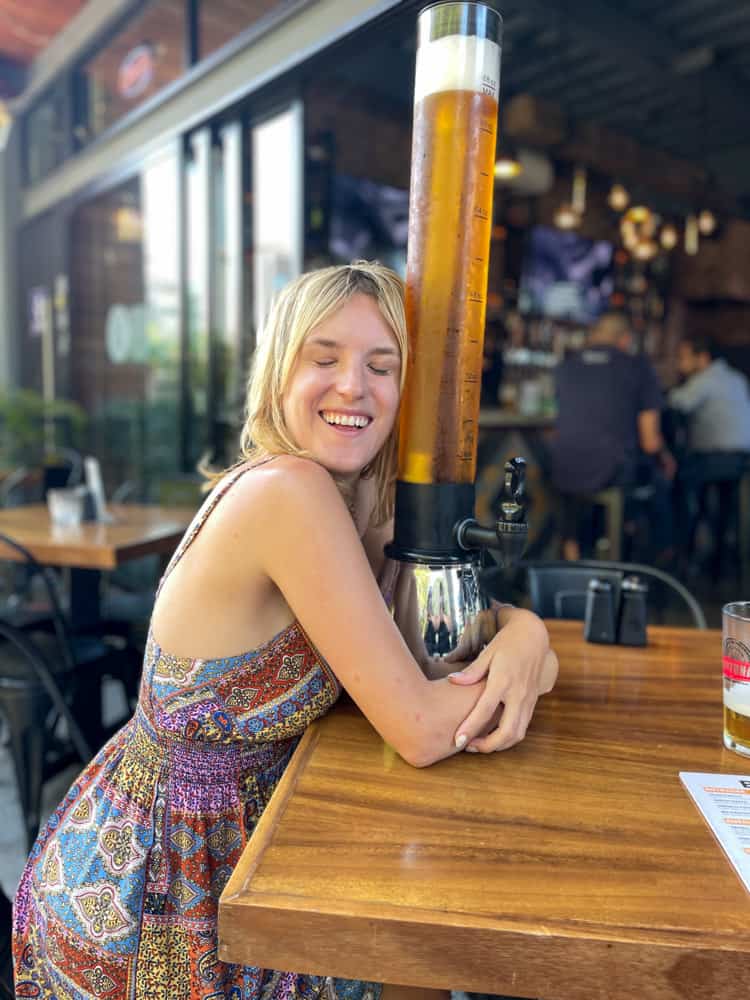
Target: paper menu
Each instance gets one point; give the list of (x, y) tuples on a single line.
[(724, 801)]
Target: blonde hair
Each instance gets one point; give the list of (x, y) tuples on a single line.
[(301, 306)]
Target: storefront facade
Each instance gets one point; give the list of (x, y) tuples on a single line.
[(175, 172)]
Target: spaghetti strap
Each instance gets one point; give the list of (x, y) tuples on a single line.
[(202, 516)]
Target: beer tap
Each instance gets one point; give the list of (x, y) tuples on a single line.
[(508, 537), (436, 537)]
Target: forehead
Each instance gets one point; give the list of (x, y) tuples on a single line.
[(357, 323)]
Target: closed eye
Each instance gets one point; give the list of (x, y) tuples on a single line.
[(326, 363), (379, 371)]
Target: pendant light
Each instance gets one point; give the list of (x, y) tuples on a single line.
[(618, 198)]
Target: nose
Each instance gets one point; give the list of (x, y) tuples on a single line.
[(351, 381)]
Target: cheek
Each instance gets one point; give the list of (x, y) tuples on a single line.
[(394, 397)]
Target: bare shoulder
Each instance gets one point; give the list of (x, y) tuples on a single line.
[(270, 506), (259, 519), (273, 487)]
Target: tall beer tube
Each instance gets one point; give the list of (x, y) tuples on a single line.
[(450, 219)]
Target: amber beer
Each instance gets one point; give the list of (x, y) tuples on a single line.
[(450, 220), (737, 720), (736, 671)]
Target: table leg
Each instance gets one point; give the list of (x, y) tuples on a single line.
[(85, 608)]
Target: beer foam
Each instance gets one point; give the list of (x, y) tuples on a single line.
[(737, 699), (457, 62)]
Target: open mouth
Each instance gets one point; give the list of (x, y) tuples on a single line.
[(346, 421)]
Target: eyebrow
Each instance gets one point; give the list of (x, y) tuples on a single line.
[(324, 342)]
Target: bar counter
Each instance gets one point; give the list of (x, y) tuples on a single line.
[(572, 867)]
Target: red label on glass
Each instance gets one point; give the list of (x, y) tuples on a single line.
[(736, 670)]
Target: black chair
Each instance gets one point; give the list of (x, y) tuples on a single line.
[(6, 957), (558, 589), (37, 697), (48, 673)]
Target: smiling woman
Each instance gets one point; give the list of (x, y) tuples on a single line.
[(270, 606), (341, 398)]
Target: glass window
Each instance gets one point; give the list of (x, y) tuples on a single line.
[(144, 56), (218, 343), (125, 330), (45, 136), (222, 20), (277, 170), (198, 230), (358, 123)]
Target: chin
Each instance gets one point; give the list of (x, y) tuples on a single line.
[(344, 470), (339, 466)]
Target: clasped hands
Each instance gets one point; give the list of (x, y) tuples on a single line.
[(511, 653)]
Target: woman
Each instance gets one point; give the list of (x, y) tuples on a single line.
[(119, 896)]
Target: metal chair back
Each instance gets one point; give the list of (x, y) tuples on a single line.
[(557, 589)]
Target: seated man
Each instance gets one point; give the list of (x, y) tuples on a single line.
[(609, 404), (715, 399)]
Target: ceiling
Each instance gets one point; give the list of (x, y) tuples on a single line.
[(675, 77), (672, 77), (26, 28)]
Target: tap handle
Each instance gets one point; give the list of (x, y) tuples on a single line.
[(514, 487)]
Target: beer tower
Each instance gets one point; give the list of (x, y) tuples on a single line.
[(450, 219)]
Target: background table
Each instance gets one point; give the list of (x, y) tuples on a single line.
[(571, 867), (137, 530)]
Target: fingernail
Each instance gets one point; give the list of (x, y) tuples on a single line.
[(461, 741), (472, 750), (455, 673)]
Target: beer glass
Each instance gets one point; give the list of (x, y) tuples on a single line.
[(450, 219), (736, 669)]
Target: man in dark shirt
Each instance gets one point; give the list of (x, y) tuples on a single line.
[(609, 404)]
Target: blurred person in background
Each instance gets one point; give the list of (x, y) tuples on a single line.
[(714, 399), (608, 430)]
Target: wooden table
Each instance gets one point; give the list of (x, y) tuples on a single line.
[(573, 867), (137, 530)]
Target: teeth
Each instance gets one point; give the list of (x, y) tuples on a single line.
[(345, 420)]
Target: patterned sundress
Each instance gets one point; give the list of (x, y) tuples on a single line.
[(118, 900)]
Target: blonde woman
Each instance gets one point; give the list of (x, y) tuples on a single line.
[(257, 625)]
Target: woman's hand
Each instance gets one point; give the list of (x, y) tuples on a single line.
[(517, 665)]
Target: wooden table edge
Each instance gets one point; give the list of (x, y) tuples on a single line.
[(518, 965), (264, 830)]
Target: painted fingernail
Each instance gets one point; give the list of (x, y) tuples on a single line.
[(472, 750), (461, 741)]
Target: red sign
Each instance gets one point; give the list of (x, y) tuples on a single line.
[(736, 670), (136, 72)]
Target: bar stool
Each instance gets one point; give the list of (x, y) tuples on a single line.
[(727, 484)]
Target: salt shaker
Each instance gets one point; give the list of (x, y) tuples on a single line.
[(599, 623), (632, 625)]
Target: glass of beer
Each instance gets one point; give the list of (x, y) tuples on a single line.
[(736, 669), (456, 92)]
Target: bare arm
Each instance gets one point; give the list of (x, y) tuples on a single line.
[(509, 652), (652, 442), (320, 566), (649, 432)]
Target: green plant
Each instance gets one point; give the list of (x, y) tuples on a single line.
[(32, 429)]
